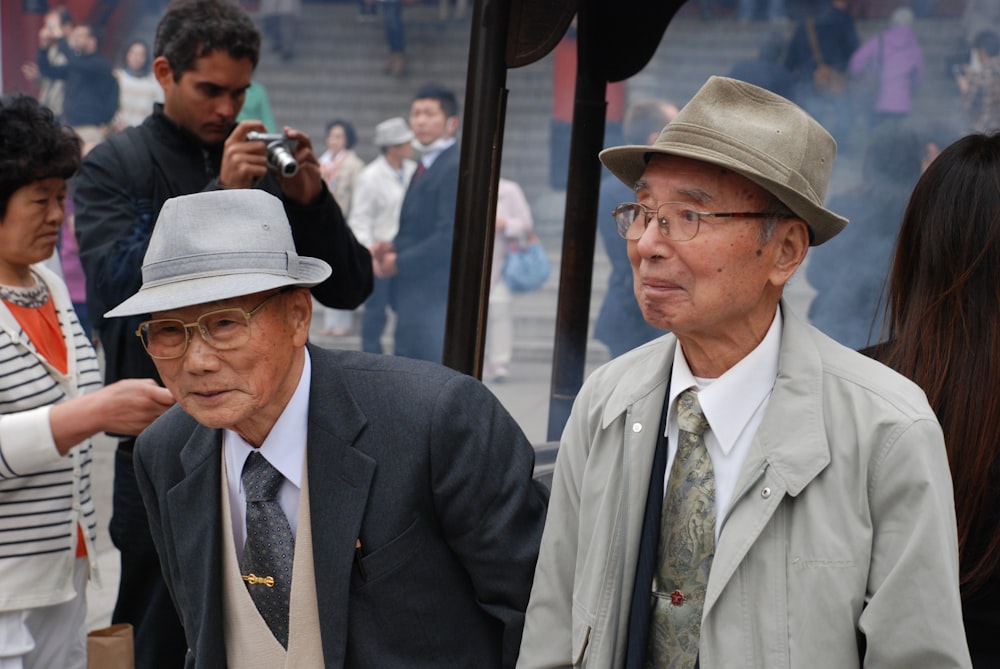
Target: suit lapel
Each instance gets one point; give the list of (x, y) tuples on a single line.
[(440, 166), (339, 479), (195, 506)]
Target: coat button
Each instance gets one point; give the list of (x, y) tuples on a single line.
[(637, 427), (765, 493)]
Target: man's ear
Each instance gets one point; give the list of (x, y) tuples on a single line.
[(299, 314), (792, 239), (452, 125), (163, 72)]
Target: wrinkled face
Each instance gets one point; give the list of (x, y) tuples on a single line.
[(30, 227), (247, 388), (725, 276), (429, 122), (135, 57), (336, 139), (206, 99)]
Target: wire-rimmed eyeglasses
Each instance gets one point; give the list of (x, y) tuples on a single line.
[(222, 329), (677, 221)]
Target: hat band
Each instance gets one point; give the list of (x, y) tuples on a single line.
[(257, 262)]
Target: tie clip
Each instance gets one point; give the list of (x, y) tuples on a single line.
[(254, 579)]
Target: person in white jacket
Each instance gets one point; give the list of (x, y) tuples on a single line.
[(822, 533), (374, 215), (51, 403)]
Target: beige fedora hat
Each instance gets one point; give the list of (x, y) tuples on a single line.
[(217, 245), (752, 132)]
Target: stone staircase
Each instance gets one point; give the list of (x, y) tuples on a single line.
[(338, 72)]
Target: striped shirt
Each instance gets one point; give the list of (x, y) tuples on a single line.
[(43, 495)]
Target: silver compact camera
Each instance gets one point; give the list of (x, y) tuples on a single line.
[(280, 151)]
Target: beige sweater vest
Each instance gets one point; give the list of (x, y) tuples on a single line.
[(249, 642)]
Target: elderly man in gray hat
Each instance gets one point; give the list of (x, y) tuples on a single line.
[(742, 492), (316, 508)]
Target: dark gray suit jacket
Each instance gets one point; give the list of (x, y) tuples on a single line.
[(420, 463), (419, 293)]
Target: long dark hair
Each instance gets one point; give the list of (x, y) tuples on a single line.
[(943, 316)]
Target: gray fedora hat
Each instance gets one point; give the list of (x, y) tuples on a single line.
[(752, 132), (218, 245)]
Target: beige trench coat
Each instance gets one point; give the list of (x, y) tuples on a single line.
[(842, 523)]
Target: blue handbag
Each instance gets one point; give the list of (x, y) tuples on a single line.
[(527, 267)]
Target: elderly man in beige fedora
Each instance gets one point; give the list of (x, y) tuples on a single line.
[(318, 508), (743, 492)]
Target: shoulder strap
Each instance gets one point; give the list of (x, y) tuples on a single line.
[(814, 42), (139, 171)]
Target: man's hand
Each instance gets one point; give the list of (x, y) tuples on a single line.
[(46, 38), (962, 80), (30, 71), (380, 251), (244, 163), (388, 265), (306, 185)]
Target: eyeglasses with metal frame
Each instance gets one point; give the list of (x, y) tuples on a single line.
[(677, 221), (222, 329)]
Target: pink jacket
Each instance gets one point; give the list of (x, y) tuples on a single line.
[(902, 67)]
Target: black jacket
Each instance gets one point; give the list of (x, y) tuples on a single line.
[(118, 194)]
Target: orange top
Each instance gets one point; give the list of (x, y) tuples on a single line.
[(42, 327)]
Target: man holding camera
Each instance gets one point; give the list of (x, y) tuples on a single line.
[(205, 53)]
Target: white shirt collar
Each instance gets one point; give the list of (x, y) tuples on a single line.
[(428, 158), (730, 401)]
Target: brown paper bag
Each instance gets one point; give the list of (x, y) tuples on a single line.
[(111, 648)]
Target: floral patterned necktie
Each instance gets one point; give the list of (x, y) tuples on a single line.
[(266, 563), (687, 545)]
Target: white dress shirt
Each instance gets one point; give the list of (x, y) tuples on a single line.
[(284, 448), (734, 406)]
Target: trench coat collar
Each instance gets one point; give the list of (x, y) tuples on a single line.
[(648, 372), (792, 438)]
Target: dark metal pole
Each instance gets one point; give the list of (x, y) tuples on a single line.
[(579, 231), (475, 214)]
